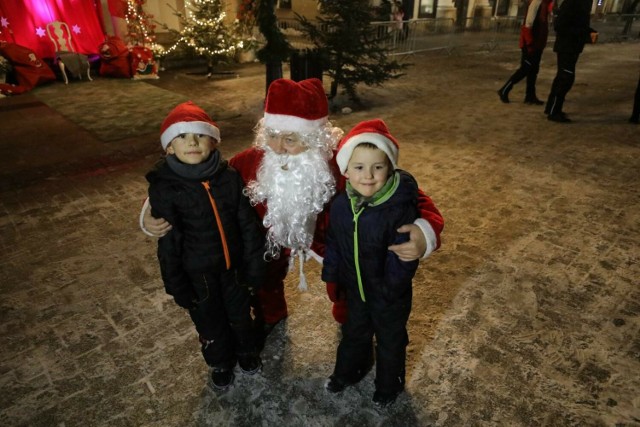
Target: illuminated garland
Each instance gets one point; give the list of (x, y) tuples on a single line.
[(140, 26), (204, 31)]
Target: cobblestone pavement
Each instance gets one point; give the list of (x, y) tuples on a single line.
[(527, 316)]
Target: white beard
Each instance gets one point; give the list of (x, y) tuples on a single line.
[(295, 189)]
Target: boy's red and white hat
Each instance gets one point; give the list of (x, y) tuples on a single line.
[(296, 106), (372, 131), (187, 118)]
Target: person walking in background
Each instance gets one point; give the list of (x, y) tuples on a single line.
[(571, 22), (635, 114), (397, 17), (363, 223), (211, 259), (533, 40)]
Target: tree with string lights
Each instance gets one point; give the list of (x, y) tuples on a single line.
[(140, 26), (205, 33)]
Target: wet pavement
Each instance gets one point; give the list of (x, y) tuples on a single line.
[(529, 315)]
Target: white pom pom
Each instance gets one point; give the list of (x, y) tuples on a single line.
[(303, 280)]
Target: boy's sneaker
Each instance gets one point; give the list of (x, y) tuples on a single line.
[(383, 400), (249, 364), (221, 378)]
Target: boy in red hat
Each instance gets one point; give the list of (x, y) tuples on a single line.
[(364, 222), (291, 176), (212, 258)]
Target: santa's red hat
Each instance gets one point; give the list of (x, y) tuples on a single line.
[(187, 118), (372, 131), (296, 106)]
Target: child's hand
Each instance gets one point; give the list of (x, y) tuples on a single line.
[(156, 226), (414, 248)]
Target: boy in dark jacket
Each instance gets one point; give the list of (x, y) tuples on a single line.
[(363, 223), (211, 260)]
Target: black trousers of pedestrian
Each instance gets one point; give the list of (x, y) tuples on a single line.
[(223, 319), (387, 321), (635, 114), (529, 68), (562, 83)]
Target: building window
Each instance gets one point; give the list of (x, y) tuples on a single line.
[(427, 8)]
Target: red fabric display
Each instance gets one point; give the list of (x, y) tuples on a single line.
[(143, 66), (30, 71), (115, 58), (25, 23)]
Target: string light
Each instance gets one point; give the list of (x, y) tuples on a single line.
[(140, 28), (205, 35)]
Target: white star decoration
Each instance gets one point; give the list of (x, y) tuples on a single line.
[(4, 22), (40, 32), (76, 29)]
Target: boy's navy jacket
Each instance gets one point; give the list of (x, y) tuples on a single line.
[(195, 244), (381, 271)]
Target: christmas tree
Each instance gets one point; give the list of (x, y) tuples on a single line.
[(352, 49), (205, 33), (140, 26)]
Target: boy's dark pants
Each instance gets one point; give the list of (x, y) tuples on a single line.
[(222, 318), (388, 322)]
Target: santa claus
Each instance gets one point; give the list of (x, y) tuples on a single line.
[(291, 176)]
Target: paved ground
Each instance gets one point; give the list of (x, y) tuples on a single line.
[(529, 315)]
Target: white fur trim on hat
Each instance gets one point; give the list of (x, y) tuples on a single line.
[(380, 141), (285, 123), (178, 128)]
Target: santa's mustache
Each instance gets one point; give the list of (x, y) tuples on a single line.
[(295, 189)]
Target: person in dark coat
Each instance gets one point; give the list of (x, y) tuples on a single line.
[(212, 258), (635, 114), (363, 223), (533, 40), (571, 21)]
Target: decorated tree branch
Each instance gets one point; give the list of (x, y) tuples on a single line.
[(205, 33), (140, 25), (353, 50)]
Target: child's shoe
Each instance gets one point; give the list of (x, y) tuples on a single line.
[(383, 400), (221, 378), (249, 364), (336, 384)]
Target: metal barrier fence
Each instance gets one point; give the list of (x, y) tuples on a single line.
[(418, 35), (477, 33)]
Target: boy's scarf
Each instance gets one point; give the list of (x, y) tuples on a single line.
[(195, 172)]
